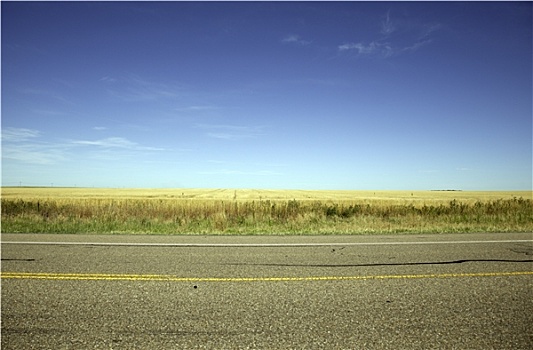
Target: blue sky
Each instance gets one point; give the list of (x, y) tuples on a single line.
[(294, 95)]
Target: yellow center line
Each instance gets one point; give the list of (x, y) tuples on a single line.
[(171, 278)]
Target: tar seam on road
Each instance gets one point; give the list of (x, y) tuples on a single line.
[(126, 244), (170, 278)]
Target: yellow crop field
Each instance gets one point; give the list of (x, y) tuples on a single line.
[(257, 194), (249, 211)]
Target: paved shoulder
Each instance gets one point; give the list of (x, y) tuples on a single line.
[(314, 292)]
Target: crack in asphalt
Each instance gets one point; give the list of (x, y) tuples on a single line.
[(385, 264), (523, 249), (8, 259)]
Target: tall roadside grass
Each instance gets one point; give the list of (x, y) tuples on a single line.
[(231, 216)]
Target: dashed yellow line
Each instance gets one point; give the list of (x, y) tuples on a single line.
[(171, 278)]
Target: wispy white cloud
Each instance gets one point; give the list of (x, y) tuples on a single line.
[(99, 128), (24, 145), (108, 79), (135, 88), (416, 45), (197, 108), (41, 154), (295, 39), (348, 46), (223, 136), (383, 49), (30, 147), (387, 26), (18, 134), (429, 29), (393, 41), (116, 142)]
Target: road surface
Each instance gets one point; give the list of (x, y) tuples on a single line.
[(454, 291)]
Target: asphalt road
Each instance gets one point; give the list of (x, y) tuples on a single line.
[(456, 291)]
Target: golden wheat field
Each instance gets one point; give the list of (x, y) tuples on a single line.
[(397, 197), (242, 211)]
